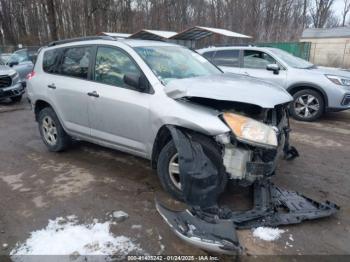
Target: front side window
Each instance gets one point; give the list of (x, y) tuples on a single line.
[(257, 59), (175, 62), (111, 66), (76, 62), (227, 58)]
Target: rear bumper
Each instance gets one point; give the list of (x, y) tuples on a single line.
[(12, 91)]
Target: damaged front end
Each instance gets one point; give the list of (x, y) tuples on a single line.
[(258, 139), (250, 159)]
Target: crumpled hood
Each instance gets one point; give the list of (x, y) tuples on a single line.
[(229, 87), (5, 70)]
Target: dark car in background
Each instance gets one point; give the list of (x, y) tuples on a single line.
[(11, 85)]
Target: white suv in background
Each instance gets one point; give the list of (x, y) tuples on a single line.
[(315, 90)]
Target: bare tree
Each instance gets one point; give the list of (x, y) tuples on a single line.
[(345, 11), (321, 12), (36, 22), (50, 8)]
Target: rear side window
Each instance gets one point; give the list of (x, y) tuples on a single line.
[(226, 58), (76, 61), (51, 61)]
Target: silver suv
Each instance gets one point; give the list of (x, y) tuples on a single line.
[(129, 94), (315, 90)]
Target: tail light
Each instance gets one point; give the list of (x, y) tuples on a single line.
[(30, 75)]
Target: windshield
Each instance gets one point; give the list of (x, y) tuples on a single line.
[(175, 62), (291, 60)]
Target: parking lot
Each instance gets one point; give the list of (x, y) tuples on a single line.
[(91, 182)]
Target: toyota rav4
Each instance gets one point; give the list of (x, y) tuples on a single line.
[(126, 95)]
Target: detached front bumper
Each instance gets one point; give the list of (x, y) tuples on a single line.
[(208, 226), (12, 91)]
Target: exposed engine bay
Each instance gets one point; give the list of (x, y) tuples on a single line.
[(249, 162)]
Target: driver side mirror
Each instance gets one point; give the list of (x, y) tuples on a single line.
[(139, 82), (13, 63), (273, 67)]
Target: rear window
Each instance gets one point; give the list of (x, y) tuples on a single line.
[(51, 61), (226, 58)]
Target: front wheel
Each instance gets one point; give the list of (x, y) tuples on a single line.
[(308, 105), (168, 165)]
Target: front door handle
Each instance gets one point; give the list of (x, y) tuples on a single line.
[(94, 94), (52, 86)]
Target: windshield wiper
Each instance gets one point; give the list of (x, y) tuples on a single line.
[(311, 67)]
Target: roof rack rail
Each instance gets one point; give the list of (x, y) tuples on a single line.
[(77, 39)]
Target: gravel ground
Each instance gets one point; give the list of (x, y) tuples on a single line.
[(91, 182)]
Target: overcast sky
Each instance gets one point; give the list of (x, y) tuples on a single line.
[(338, 6)]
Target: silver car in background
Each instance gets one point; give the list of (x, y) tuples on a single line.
[(315, 90)]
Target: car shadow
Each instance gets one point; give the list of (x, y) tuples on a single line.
[(336, 116)]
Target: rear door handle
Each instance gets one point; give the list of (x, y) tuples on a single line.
[(93, 93), (52, 86)]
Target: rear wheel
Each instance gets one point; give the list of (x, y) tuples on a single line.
[(308, 105), (168, 165), (16, 99), (51, 131)]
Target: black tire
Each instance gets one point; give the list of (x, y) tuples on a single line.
[(62, 139), (169, 150), (316, 114), (16, 99)]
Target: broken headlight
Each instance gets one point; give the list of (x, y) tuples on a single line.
[(251, 131)]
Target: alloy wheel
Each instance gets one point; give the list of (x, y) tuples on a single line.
[(174, 171), (49, 130), (306, 106)]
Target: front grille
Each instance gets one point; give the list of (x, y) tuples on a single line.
[(5, 81), (346, 100)]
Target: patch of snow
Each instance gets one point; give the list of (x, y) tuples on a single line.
[(191, 228), (136, 226), (64, 236), (120, 215), (291, 237), (162, 248), (268, 233)]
